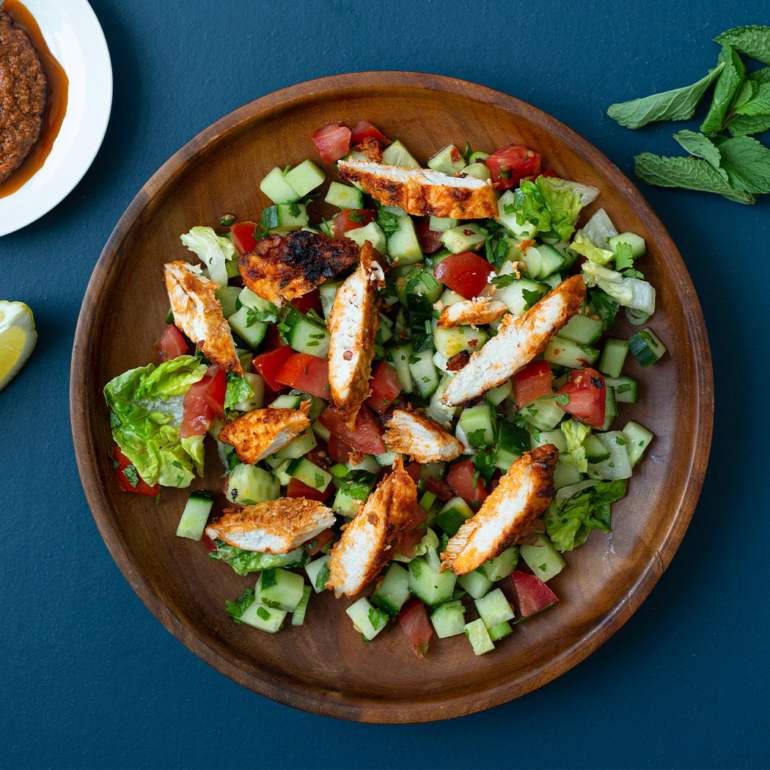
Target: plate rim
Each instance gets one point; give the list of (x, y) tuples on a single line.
[(301, 695)]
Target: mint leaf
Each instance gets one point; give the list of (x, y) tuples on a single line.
[(727, 88), (624, 257), (744, 125), (760, 76), (700, 145), (747, 163), (678, 104), (759, 103), (754, 41), (687, 173)]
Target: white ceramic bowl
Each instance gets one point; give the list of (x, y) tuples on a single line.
[(75, 38)]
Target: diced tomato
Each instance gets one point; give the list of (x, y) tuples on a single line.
[(419, 515), (269, 364), (171, 343), (124, 482), (273, 339), (409, 542), (319, 541), (307, 373), (384, 387), (208, 542), (587, 397), (417, 627), (216, 389), (339, 451), (350, 219), (511, 164), (413, 469), (460, 478), (430, 240), (197, 414), (441, 489), (465, 273), (332, 141), (550, 172), (366, 435), (243, 236), (532, 594), (308, 302), (298, 488), (533, 381), (365, 130)]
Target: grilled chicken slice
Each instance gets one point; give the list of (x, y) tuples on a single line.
[(522, 495), (472, 312), (375, 532), (284, 267), (517, 342), (198, 313), (353, 323), (257, 434), (277, 526), (422, 439), (421, 191)]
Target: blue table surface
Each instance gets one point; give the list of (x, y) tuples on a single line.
[(91, 679)]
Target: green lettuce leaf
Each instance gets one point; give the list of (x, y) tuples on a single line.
[(579, 509), (244, 562), (575, 433), (585, 246), (238, 390), (212, 249), (146, 407), (628, 292)]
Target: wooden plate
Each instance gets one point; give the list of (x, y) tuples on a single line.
[(324, 667)]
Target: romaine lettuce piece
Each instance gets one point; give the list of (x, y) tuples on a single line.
[(575, 433), (583, 245), (212, 249), (629, 292), (146, 411), (244, 562)]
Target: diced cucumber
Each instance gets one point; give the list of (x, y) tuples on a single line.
[(507, 216), (464, 237), (564, 352), (368, 620), (227, 296), (637, 438), (285, 217), (263, 618), (321, 431), (617, 465), (385, 332), (452, 516), (232, 269), (316, 573), (478, 424), (368, 464), (626, 389), (400, 357), (610, 409), (248, 484), (372, 233), (403, 245), (309, 473), (257, 385), (512, 442), (438, 224), (500, 631), (305, 335), (430, 585), (494, 608), (646, 347), (613, 356), (344, 196), (448, 619), (297, 447), (275, 186), (392, 591), (195, 515), (476, 583), (543, 413), (636, 242), (497, 395), (595, 449), (328, 292), (395, 210), (502, 565), (565, 475), (355, 155), (582, 329), (450, 341), (424, 373), (298, 616), (447, 161), (286, 401), (418, 289), (543, 559), (513, 295), (553, 280), (305, 177), (437, 410), (542, 260), (555, 437), (348, 499), (280, 589), (279, 470), (387, 459), (250, 331), (478, 170), (395, 154), (479, 637)]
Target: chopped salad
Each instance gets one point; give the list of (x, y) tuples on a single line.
[(415, 399)]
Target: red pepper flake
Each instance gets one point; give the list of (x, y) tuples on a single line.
[(347, 355)]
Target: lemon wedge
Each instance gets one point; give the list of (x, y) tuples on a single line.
[(17, 338)]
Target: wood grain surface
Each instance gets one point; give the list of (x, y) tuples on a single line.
[(324, 667)]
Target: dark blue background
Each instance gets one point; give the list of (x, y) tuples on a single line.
[(90, 679)]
